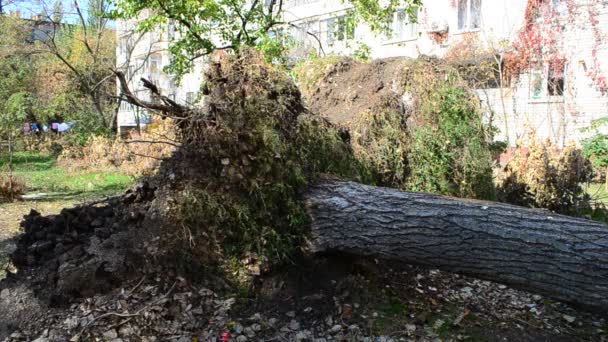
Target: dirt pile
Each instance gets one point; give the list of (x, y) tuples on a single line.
[(415, 124), (348, 88)]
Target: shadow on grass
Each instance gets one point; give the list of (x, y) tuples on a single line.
[(80, 195), (29, 161)]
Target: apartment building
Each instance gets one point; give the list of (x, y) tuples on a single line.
[(532, 101)]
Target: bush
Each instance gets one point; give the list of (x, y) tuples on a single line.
[(11, 187), (450, 150), (380, 142), (596, 149), (542, 176)]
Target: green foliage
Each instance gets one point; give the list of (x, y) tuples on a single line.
[(17, 109), (380, 142), (437, 142), (450, 151), (376, 13), (363, 52), (596, 149), (204, 26)]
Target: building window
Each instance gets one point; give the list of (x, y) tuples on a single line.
[(190, 98), (469, 14), (548, 83), (125, 106), (403, 26), (536, 85), (555, 78), (339, 29)]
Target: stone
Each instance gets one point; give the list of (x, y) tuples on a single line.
[(238, 329), (241, 338), (249, 332), (272, 322), (41, 339), (569, 319), (302, 335), (256, 317), (294, 325), (126, 331), (291, 314), (71, 322), (256, 327), (5, 293), (336, 329), (110, 334)]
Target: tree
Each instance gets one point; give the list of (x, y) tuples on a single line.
[(86, 52), (16, 59), (205, 26), (57, 14), (564, 257)]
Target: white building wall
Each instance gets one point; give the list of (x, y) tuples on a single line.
[(559, 118), (145, 56)]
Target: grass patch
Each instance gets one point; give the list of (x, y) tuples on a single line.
[(43, 175), (598, 192)]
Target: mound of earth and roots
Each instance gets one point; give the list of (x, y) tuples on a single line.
[(217, 244), (414, 123)]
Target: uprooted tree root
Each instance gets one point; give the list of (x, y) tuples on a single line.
[(228, 196)]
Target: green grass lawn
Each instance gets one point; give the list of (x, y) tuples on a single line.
[(42, 175)]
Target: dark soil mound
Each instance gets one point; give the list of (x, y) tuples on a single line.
[(83, 250)]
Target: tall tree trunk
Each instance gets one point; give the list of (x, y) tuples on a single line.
[(559, 256), (98, 108)]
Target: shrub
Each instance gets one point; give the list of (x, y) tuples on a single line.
[(450, 150), (380, 142), (11, 187), (542, 176), (414, 124), (596, 149)]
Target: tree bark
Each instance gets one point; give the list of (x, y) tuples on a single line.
[(562, 257)]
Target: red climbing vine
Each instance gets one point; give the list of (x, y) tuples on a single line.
[(541, 40)]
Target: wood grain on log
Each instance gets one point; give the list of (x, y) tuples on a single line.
[(563, 257)]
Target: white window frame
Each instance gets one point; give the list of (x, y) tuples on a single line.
[(468, 18), (406, 25), (542, 74), (334, 26)]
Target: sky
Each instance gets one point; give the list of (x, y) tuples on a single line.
[(29, 8)]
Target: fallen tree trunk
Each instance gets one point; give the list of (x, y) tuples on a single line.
[(562, 257)]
